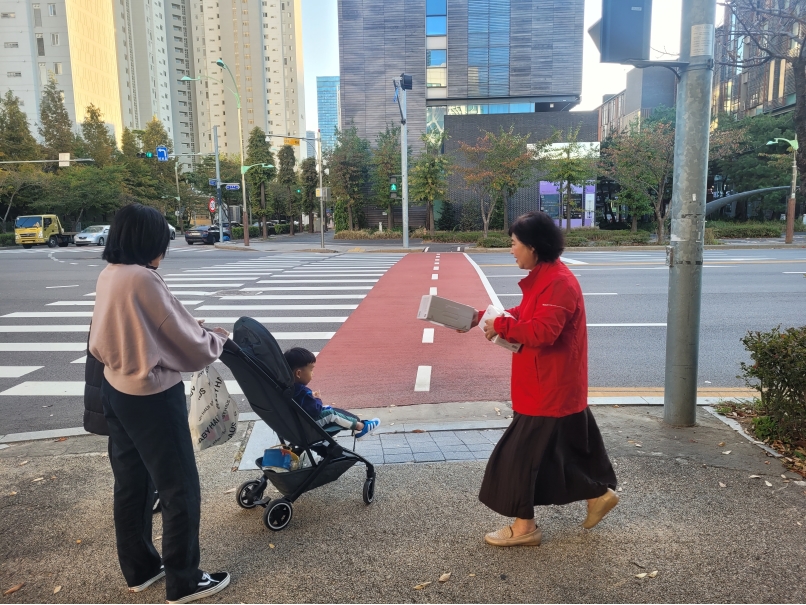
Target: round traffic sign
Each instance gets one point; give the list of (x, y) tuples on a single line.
[(211, 204)]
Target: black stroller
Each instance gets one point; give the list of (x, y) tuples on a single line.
[(258, 364)]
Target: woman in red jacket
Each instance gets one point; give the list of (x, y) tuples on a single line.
[(552, 452)]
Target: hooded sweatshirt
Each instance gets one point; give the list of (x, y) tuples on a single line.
[(143, 335)]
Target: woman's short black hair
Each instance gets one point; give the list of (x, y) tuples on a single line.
[(538, 230), (138, 235), (299, 358)]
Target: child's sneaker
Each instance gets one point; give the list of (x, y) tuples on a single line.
[(369, 426)]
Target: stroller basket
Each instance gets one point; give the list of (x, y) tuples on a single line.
[(259, 367)]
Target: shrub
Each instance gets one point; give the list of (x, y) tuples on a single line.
[(282, 228), (596, 237), (494, 240), (725, 230), (778, 373), (7, 239), (608, 226), (367, 234), (237, 232), (447, 219), (710, 238), (458, 237)]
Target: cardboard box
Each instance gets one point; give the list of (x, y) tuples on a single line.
[(447, 313), (491, 313)]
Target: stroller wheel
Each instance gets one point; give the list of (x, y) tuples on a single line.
[(278, 514), (246, 495), (369, 490)]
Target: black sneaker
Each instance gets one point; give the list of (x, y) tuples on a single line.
[(148, 583), (210, 584)]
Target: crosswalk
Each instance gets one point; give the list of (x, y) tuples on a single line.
[(303, 299)]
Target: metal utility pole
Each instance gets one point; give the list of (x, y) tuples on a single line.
[(685, 252), (790, 208), (218, 185), (321, 190), (401, 87)]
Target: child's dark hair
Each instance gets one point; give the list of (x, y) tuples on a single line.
[(299, 358)]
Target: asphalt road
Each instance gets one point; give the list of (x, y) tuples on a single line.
[(40, 389)]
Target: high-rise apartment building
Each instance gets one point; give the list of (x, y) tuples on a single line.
[(73, 40), (261, 43), (465, 57), (328, 107)]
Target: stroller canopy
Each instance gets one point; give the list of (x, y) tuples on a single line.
[(257, 342)]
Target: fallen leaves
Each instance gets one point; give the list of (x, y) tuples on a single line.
[(78, 541), (57, 589), (38, 479), (422, 585), (497, 411), (721, 444), (271, 546), (60, 439), (13, 589), (445, 577), (754, 477), (24, 462), (643, 575), (13, 494), (418, 431), (722, 484), (653, 574), (158, 538), (727, 452), (230, 491), (767, 483)]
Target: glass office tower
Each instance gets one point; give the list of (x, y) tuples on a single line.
[(327, 103)]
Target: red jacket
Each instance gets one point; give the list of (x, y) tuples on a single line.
[(550, 373)]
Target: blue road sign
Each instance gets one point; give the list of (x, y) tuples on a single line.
[(162, 153), (233, 187), (213, 182)]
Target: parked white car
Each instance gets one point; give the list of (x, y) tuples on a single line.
[(97, 234), (172, 230)]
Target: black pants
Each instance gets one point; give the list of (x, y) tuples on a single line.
[(149, 436)]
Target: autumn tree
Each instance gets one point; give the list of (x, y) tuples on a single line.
[(16, 140), (429, 175), (478, 177), (386, 163), (258, 151), (512, 164), (309, 181), (287, 178), (55, 126), (12, 182), (99, 143), (349, 164), (129, 144)]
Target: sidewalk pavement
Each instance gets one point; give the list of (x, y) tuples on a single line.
[(689, 509)]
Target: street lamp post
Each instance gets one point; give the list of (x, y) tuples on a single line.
[(234, 91), (790, 207)]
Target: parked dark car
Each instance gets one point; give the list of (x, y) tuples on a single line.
[(205, 234)]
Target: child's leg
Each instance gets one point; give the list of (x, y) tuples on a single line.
[(340, 418)]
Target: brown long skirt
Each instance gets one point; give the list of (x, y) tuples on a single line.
[(541, 460)]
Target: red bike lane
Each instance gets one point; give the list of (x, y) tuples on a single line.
[(373, 359)]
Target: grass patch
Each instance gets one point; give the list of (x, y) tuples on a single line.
[(367, 234), (727, 230)]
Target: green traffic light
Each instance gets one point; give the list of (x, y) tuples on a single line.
[(149, 154), (393, 187)]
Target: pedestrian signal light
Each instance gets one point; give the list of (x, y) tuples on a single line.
[(146, 155), (394, 186)]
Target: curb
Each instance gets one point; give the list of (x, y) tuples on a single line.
[(572, 249), (738, 428)]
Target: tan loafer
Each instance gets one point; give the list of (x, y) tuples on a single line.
[(599, 507), (504, 537)]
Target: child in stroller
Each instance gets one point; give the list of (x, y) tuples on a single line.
[(302, 363)]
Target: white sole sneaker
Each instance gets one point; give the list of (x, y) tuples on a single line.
[(148, 583), (207, 587)]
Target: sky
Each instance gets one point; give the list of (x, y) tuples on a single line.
[(321, 50)]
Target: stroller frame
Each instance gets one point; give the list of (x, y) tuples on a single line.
[(336, 459)]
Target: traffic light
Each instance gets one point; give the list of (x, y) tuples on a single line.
[(622, 34), (299, 190), (146, 155), (394, 187)]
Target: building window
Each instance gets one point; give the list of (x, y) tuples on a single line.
[(54, 39), (57, 69), (11, 45), (436, 77), (51, 10), (40, 45), (14, 74), (436, 26), (8, 15)]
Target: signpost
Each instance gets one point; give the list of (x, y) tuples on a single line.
[(211, 205), (232, 186), (213, 182), (162, 153)]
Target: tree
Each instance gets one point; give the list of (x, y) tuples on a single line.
[(637, 202), (129, 144), (386, 163), (771, 32), (429, 175), (570, 164), (478, 177), (258, 151), (287, 177), (512, 164), (98, 140), (16, 140), (12, 182), (349, 165), (309, 180), (84, 189), (55, 126)]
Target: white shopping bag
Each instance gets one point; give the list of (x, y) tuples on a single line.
[(213, 414)]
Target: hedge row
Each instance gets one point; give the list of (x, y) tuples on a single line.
[(237, 232), (367, 234), (725, 230), (7, 239), (591, 237)]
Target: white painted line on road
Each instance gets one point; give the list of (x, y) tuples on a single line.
[(71, 303), (436, 268), (428, 336), (426, 249), (297, 297), (191, 302), (629, 325), (485, 282), (276, 307), (421, 383), (435, 276), (278, 320), (80, 360), (220, 286), (318, 281), (306, 288), (41, 347), (433, 291), (794, 272), (49, 314), (184, 279), (17, 371), (571, 261), (458, 248), (333, 274), (191, 293), (52, 287), (43, 328)]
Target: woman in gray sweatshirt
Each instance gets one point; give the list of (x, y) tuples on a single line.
[(145, 338)]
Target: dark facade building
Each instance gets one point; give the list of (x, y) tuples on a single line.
[(466, 57)]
